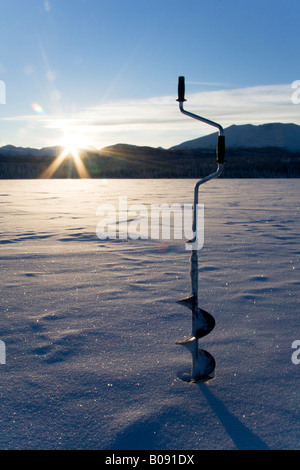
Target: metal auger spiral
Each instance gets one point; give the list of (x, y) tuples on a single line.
[(203, 363)]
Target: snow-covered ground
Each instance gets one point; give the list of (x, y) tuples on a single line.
[(90, 326)]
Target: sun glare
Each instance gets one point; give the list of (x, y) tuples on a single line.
[(72, 145)]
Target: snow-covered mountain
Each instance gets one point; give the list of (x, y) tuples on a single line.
[(249, 136)]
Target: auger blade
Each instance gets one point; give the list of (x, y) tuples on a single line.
[(203, 365), (189, 302), (189, 343), (202, 323)]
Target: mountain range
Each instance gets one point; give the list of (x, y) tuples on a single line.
[(268, 150), (276, 135), (272, 135)]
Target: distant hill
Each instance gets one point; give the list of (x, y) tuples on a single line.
[(12, 151), (266, 151), (276, 135)]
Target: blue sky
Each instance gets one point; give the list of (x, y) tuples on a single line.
[(105, 71)]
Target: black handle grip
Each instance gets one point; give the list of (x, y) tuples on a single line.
[(181, 89), (221, 149)]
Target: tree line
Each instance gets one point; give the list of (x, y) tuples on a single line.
[(122, 161)]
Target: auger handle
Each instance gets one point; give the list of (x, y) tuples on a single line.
[(221, 137), (221, 149), (181, 90)]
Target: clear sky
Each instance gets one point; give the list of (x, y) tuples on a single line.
[(105, 71)]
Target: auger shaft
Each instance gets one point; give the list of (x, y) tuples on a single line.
[(194, 255)]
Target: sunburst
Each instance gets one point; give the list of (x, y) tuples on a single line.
[(72, 144)]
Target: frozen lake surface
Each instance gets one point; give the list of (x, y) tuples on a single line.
[(90, 326)]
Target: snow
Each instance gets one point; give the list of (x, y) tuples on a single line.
[(90, 326)]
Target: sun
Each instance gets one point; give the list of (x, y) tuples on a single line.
[(72, 144)]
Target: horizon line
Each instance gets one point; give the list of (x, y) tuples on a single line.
[(91, 147)]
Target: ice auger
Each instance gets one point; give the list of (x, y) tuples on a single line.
[(203, 364)]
